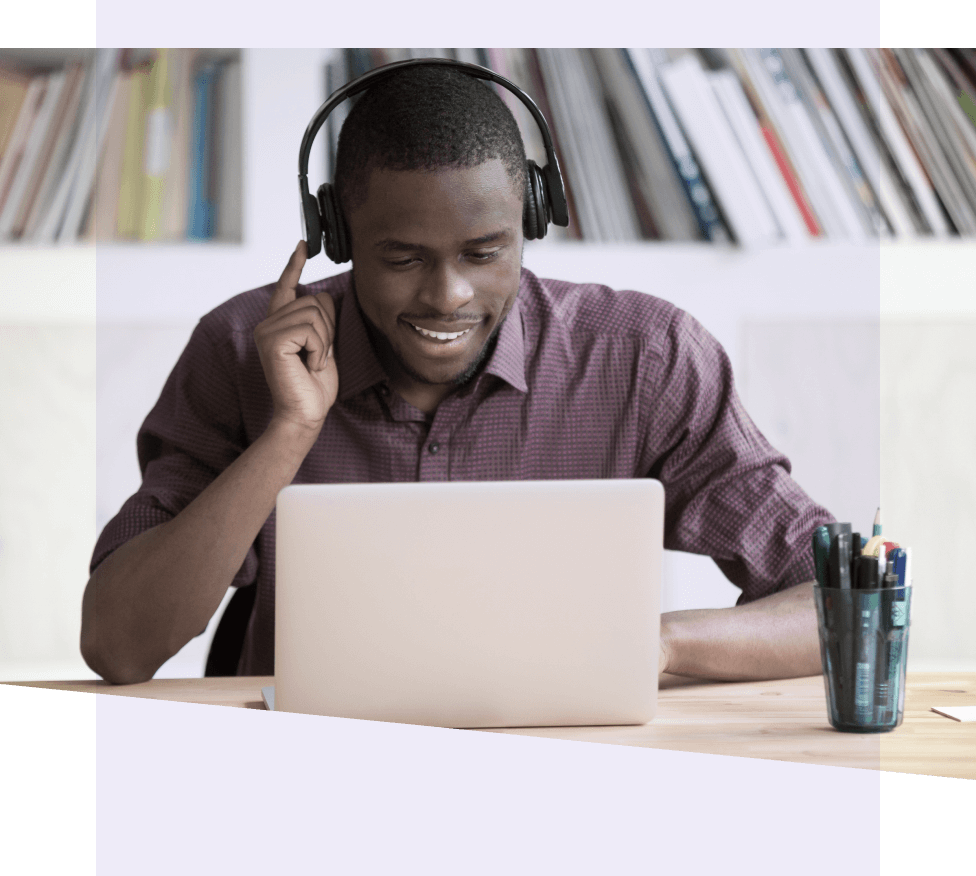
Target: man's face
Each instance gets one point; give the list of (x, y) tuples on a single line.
[(436, 266)]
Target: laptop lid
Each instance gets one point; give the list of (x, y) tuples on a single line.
[(470, 604)]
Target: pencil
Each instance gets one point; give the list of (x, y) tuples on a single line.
[(877, 523)]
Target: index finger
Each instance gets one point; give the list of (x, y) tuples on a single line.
[(286, 287)]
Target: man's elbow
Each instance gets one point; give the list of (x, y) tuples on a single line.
[(111, 667), (106, 658)]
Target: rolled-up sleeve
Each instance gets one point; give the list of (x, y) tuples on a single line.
[(194, 431), (729, 493)]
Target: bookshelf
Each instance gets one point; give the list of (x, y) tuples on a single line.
[(120, 144), (158, 290)]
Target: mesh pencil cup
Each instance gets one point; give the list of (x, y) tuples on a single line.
[(863, 649)]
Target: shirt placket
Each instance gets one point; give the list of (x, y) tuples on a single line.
[(435, 455)]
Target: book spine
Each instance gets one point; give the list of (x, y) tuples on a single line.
[(959, 193), (849, 172), (947, 120), (14, 153), (108, 177), (66, 177), (718, 150), (130, 187), (27, 169), (54, 147), (699, 194), (735, 105), (905, 163), (13, 91), (231, 168), (910, 116), (157, 152), (200, 218), (658, 195)]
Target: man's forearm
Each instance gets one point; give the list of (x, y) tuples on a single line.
[(773, 637), (158, 591)]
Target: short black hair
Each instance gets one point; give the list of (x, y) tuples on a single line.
[(425, 118)]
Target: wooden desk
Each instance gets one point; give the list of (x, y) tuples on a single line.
[(777, 720)]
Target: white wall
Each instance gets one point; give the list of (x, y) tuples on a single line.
[(928, 439)]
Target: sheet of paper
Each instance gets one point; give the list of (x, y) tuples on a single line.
[(957, 713)]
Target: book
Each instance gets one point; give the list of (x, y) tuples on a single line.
[(756, 148), (19, 135), (81, 88), (230, 171), (130, 187), (13, 90), (946, 118), (911, 117), (699, 194), (790, 116), (157, 146), (655, 186), (176, 189), (947, 147), (202, 213), (108, 177), (49, 227), (835, 144), (905, 163), (26, 175), (964, 86), (777, 149), (593, 165), (53, 148), (866, 148), (713, 139)]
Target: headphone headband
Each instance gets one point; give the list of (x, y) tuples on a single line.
[(557, 206)]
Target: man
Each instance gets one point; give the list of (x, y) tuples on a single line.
[(439, 358)]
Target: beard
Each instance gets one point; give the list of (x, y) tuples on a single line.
[(391, 360)]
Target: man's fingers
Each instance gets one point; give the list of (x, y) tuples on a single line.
[(285, 288)]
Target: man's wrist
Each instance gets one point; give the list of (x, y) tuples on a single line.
[(291, 437)]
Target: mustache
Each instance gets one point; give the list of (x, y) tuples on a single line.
[(453, 319)]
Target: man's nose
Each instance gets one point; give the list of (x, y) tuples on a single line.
[(447, 290)]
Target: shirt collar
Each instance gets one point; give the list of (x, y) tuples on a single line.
[(359, 369)]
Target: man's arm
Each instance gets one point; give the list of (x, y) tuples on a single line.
[(772, 637), (159, 590)]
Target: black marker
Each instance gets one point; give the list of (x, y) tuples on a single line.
[(840, 560), (866, 572), (855, 553)]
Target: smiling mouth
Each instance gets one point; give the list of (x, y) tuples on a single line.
[(441, 336)]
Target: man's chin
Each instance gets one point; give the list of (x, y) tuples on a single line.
[(459, 375)]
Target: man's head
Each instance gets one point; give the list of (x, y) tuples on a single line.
[(430, 175)]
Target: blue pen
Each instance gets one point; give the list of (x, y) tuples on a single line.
[(900, 556)]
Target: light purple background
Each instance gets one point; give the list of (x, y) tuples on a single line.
[(255, 792), (194, 789)]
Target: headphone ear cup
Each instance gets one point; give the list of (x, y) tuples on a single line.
[(535, 214), (343, 243), (312, 225), (333, 225)]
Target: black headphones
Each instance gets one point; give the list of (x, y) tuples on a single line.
[(545, 197)]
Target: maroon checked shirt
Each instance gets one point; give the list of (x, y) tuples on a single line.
[(584, 382)]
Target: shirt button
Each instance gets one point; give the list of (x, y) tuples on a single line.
[(433, 447)]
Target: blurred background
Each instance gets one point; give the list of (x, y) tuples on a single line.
[(814, 209)]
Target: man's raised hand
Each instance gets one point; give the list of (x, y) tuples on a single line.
[(295, 346)]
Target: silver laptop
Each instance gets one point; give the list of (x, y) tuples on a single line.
[(470, 604)]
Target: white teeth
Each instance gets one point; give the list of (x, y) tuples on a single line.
[(441, 336)]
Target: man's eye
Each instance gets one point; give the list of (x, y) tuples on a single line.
[(484, 256), (401, 263)]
